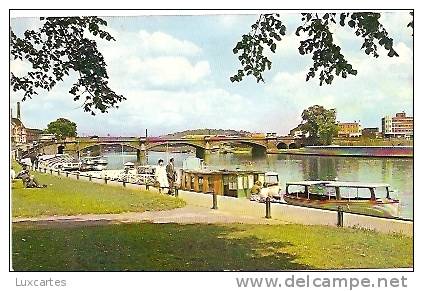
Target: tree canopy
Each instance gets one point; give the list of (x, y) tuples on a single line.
[(58, 47), (62, 128), (328, 60), (319, 125)]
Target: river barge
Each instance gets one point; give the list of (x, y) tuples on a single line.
[(233, 183)]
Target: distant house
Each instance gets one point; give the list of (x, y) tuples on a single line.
[(296, 132), (19, 134), (349, 129), (370, 132)]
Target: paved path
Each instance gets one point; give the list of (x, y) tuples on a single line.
[(186, 215)]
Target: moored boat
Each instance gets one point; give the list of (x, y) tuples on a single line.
[(355, 197), (234, 183)]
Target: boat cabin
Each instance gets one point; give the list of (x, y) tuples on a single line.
[(321, 190), (234, 183), (360, 191)]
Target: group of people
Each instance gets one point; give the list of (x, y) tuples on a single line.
[(166, 176), (28, 180)]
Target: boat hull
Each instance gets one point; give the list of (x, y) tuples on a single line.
[(379, 207)]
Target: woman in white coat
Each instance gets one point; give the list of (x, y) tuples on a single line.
[(161, 176)]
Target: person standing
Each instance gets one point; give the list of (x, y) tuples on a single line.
[(161, 177), (171, 175)]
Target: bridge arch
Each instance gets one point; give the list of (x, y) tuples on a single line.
[(199, 149), (257, 148), (293, 146), (137, 148), (282, 146)]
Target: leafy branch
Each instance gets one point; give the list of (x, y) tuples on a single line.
[(58, 47)]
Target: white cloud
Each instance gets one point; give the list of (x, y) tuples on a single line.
[(19, 67), (166, 71), (162, 43)]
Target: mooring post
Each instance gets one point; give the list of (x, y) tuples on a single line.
[(176, 192), (268, 214), (90, 177), (77, 176), (340, 222), (105, 179), (67, 174), (124, 183), (147, 187), (214, 201), (51, 171), (58, 172)]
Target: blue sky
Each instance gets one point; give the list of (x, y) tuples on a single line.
[(174, 71)]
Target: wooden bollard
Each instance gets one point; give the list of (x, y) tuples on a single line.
[(147, 187), (90, 177), (77, 176), (340, 222), (214, 201), (67, 174), (124, 183), (105, 179), (58, 172), (268, 214), (51, 171), (176, 192)]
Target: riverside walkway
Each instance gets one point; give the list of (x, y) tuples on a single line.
[(230, 210)]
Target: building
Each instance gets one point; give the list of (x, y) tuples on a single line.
[(399, 125), (370, 132), (33, 134), (19, 134), (349, 129), (296, 132)]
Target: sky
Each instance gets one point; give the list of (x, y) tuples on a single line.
[(174, 72)]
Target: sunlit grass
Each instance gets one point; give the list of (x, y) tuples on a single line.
[(65, 196), (145, 246)]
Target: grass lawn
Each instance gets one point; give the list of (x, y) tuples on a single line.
[(145, 246), (65, 196)]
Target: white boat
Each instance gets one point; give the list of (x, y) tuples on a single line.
[(93, 163), (355, 197)]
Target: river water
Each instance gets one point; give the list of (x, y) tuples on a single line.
[(398, 172)]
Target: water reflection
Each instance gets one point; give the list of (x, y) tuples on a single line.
[(396, 172)]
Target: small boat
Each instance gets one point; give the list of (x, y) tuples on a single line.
[(234, 183), (93, 163), (362, 198), (129, 165)]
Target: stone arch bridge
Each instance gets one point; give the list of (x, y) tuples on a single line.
[(203, 145)]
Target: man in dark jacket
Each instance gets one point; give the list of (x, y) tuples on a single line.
[(171, 175)]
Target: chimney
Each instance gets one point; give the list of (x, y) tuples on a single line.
[(18, 114)]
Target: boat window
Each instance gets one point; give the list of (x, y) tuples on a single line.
[(381, 192), (211, 184), (200, 183), (232, 183), (355, 193), (192, 182), (250, 181), (272, 179)]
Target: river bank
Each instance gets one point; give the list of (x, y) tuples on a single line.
[(190, 238), (351, 151), (281, 212)]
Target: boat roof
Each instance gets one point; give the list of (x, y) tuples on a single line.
[(223, 171), (308, 183), (271, 174), (357, 185)]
